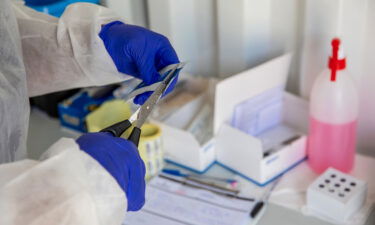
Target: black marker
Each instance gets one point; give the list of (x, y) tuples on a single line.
[(257, 208), (260, 204)]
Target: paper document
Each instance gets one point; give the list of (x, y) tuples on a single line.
[(259, 113), (169, 202)]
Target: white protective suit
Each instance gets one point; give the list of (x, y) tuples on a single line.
[(41, 54)]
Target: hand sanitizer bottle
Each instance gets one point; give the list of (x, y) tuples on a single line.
[(333, 116)]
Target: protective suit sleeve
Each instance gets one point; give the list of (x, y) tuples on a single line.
[(67, 187), (67, 52)]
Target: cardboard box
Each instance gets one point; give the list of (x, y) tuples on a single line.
[(243, 153), (181, 147), (73, 111)]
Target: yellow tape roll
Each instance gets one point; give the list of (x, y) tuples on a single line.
[(151, 149), (150, 144)]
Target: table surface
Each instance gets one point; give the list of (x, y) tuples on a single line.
[(44, 131)]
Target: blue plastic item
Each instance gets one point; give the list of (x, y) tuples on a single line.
[(54, 7), (121, 159), (178, 173), (40, 2), (73, 111)]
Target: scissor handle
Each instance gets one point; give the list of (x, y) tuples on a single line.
[(118, 129), (135, 136)]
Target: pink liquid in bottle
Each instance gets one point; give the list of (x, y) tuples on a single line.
[(331, 145)]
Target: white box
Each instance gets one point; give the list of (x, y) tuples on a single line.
[(336, 195), (243, 153), (180, 146)]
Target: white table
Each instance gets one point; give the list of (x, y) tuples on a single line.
[(44, 131)]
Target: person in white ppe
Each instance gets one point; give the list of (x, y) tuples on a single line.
[(97, 178)]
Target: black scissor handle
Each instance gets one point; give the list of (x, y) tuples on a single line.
[(118, 129), (135, 136)]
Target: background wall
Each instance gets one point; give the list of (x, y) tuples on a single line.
[(191, 27), (133, 11), (221, 37), (367, 83)]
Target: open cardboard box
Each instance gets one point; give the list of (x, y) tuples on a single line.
[(243, 153), (181, 147)]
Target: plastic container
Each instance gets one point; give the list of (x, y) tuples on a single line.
[(54, 7), (333, 117)]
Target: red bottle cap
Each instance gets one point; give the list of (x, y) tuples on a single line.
[(334, 63)]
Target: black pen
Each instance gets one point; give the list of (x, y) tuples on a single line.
[(261, 203)]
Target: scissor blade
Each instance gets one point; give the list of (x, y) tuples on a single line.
[(149, 105), (134, 116)]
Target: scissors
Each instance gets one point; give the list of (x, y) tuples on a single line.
[(141, 114)]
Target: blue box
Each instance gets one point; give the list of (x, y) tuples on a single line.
[(73, 111), (57, 8)]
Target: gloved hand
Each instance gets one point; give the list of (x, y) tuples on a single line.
[(121, 159), (138, 52)]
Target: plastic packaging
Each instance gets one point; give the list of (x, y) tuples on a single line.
[(333, 117)]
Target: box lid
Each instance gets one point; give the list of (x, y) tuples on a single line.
[(235, 89)]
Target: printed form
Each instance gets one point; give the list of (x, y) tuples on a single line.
[(172, 203)]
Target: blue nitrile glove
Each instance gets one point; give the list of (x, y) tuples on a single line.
[(121, 159), (138, 52)]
